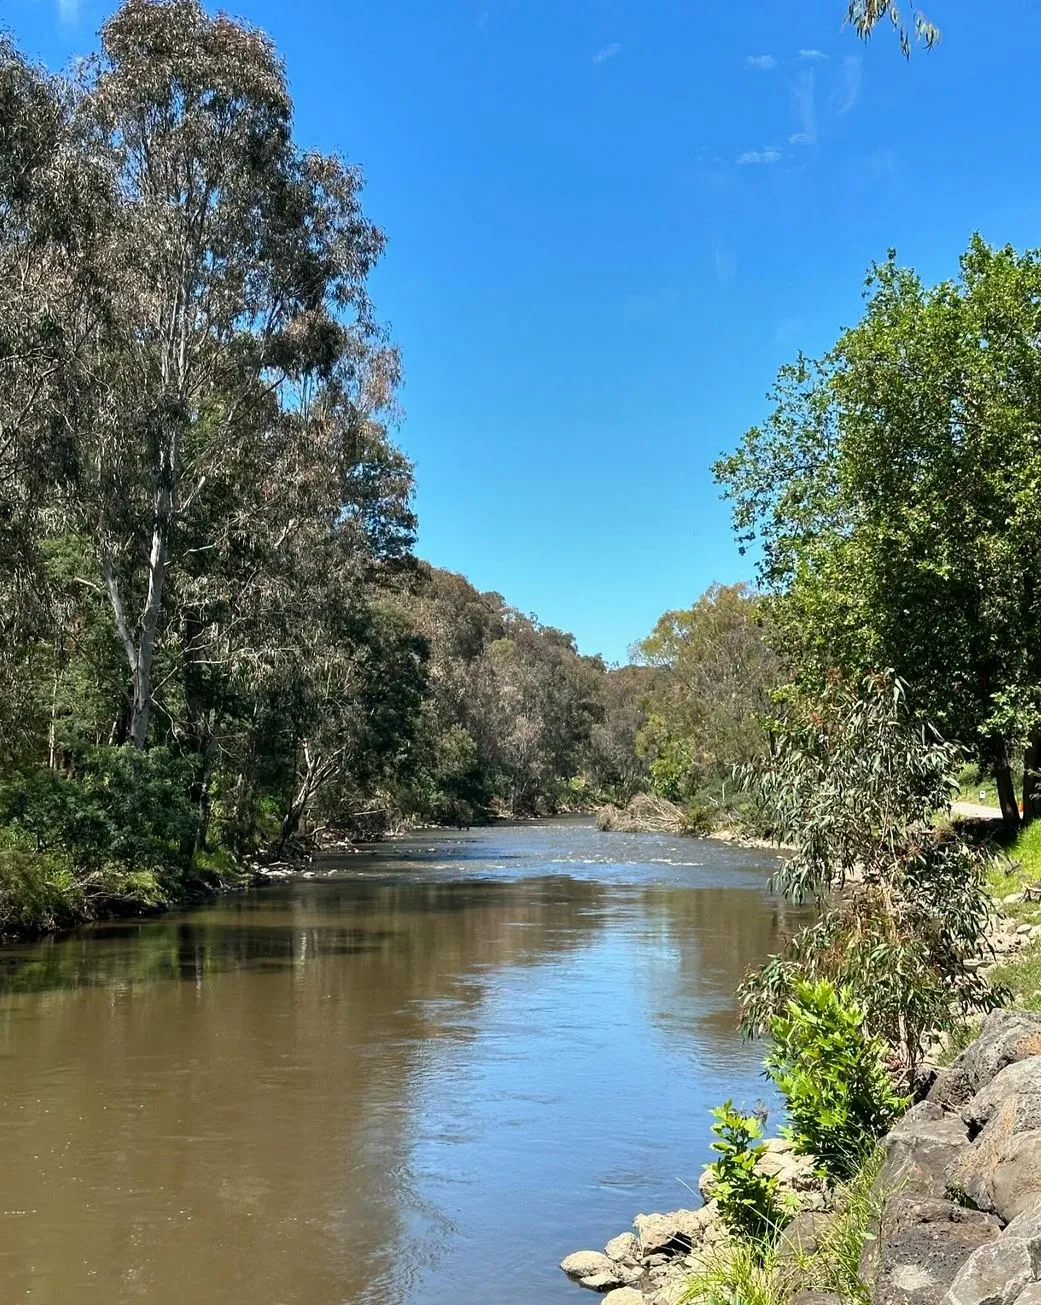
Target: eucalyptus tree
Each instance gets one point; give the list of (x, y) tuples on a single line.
[(894, 494), (707, 701), (854, 783), (907, 20), (240, 261), (52, 208)]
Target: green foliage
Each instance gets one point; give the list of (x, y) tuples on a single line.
[(741, 1272), (893, 493), (750, 1203), (122, 808), (854, 784), (699, 819), (38, 891), (833, 1076), (712, 670)]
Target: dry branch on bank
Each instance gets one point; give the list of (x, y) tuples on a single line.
[(645, 814)]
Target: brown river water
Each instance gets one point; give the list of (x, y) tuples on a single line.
[(423, 1076)]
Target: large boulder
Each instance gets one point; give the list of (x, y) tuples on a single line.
[(993, 1275), (675, 1233), (1026, 1227), (1023, 1076), (624, 1247), (920, 1150), (1007, 1036), (1000, 1171), (803, 1235), (588, 1264), (624, 1296), (922, 1244)]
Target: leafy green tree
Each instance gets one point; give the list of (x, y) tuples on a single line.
[(237, 263), (710, 692), (893, 493), (833, 1076)]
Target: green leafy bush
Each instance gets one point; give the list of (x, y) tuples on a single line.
[(699, 819), (750, 1203), (833, 1076), (38, 891), (122, 808)]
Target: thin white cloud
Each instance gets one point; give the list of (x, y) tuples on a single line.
[(761, 62), (812, 54), (804, 109), (607, 52), (68, 10), (849, 90), (759, 156)]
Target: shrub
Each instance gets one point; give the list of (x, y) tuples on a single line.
[(833, 1076), (699, 819), (750, 1203), (37, 892), (854, 784), (122, 808)]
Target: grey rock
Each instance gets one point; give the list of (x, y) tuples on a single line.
[(626, 1246), (1001, 1170), (1027, 1227), (1030, 1295), (803, 1235), (993, 1275), (606, 1280), (950, 1089), (624, 1296), (1021, 1076), (813, 1296), (672, 1292), (1006, 1037), (583, 1264), (920, 1150), (922, 1244), (674, 1233)]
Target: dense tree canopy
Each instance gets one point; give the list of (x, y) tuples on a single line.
[(209, 605), (894, 495), (709, 694)]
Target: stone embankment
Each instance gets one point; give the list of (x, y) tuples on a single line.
[(961, 1184)]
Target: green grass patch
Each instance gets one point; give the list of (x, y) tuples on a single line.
[(1012, 869), (742, 1272)]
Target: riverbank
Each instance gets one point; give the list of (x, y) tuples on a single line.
[(671, 1255), (947, 1212)]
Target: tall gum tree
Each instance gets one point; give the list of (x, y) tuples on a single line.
[(239, 262)]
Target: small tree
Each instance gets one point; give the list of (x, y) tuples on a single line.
[(854, 785), (833, 1075), (750, 1203)]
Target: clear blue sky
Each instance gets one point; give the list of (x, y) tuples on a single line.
[(610, 221)]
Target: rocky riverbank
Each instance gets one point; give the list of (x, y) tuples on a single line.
[(653, 1265), (959, 1193)]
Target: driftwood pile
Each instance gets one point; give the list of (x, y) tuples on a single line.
[(645, 814)]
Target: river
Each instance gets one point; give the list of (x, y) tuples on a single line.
[(421, 1077)]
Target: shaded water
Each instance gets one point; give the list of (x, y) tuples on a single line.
[(423, 1078)]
